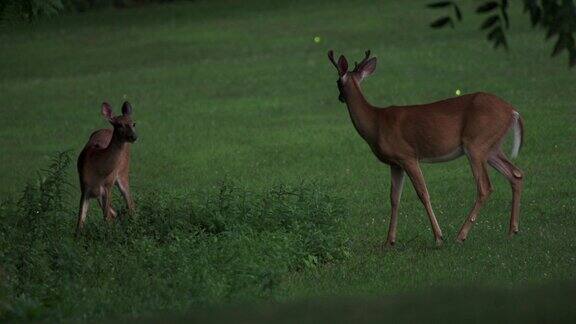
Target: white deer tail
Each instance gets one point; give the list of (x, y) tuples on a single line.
[(518, 131)]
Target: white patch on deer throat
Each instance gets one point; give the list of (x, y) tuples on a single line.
[(445, 158)]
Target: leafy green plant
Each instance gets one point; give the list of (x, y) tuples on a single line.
[(556, 17), (48, 192), (225, 244), (29, 9)]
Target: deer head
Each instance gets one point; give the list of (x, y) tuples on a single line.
[(123, 125), (361, 70)]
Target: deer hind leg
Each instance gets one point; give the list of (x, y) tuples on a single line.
[(82, 214), (415, 174), (106, 204), (514, 175), (397, 177), (483, 187), (111, 209), (123, 185)]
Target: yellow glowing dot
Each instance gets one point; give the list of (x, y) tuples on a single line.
[(458, 92), (316, 39)]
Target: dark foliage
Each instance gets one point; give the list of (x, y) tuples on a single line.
[(30, 10), (556, 17)]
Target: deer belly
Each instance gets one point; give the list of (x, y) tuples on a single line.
[(458, 152)]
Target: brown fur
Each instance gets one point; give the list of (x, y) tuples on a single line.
[(473, 125)]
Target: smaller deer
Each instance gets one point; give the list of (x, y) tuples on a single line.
[(105, 161)]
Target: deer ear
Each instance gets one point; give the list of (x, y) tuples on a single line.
[(107, 111), (342, 65), (368, 68), (126, 108)]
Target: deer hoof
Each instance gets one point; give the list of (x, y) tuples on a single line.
[(389, 245), (461, 237), (512, 233), (439, 242)]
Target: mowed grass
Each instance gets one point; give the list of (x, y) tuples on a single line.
[(228, 90)]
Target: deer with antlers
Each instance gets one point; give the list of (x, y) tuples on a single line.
[(105, 162), (473, 125)]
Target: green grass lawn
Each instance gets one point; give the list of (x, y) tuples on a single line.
[(230, 90), (546, 304)]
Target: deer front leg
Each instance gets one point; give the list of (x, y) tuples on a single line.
[(412, 168), (397, 184)]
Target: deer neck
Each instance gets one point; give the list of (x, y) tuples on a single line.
[(113, 153), (363, 115)]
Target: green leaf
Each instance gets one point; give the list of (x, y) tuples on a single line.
[(457, 12), (501, 42), (535, 16), (498, 38), (560, 45), (440, 4), (489, 22), (504, 13), (552, 30), (441, 22), (495, 34), (565, 42), (488, 6)]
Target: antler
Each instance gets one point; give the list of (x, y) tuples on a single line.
[(358, 66), (331, 57)]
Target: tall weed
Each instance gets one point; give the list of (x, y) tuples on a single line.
[(225, 244)]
